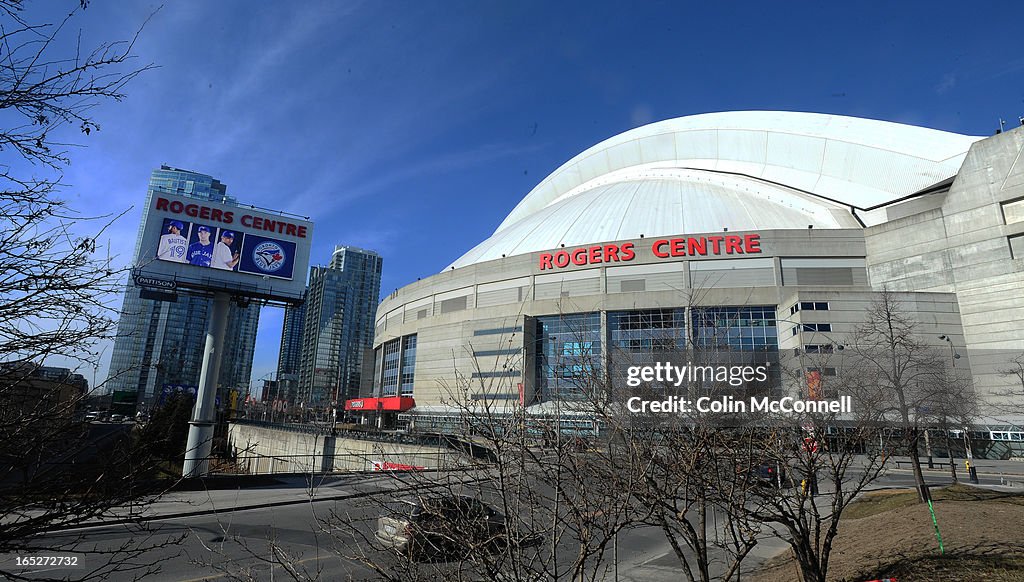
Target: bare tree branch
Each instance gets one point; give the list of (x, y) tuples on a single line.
[(57, 289)]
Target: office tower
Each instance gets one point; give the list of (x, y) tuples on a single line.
[(340, 303), (160, 344)]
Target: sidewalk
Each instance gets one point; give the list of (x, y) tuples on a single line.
[(986, 467), (996, 468)]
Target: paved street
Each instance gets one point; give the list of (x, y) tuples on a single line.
[(251, 531)]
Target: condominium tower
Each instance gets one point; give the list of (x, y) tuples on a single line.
[(336, 330)]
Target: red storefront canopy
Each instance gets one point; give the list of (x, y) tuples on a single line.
[(386, 404)]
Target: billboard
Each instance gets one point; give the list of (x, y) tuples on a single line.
[(209, 246)]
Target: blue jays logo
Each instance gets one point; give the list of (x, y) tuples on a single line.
[(268, 256)]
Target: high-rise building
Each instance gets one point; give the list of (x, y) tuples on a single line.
[(338, 326), (160, 343), (290, 355), (291, 340)]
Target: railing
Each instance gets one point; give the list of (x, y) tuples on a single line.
[(338, 463), (924, 464), (370, 434)]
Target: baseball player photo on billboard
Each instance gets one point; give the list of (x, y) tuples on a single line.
[(226, 250), (200, 248), (173, 241)]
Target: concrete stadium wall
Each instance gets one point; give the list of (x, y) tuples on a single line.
[(263, 450), (453, 313), (959, 242), (933, 314)]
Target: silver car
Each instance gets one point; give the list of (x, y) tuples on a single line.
[(442, 526)]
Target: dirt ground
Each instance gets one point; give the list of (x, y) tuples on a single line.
[(890, 535)]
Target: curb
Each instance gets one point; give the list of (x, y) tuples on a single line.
[(981, 473)]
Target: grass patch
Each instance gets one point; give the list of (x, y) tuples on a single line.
[(961, 492), (888, 534), (875, 502)]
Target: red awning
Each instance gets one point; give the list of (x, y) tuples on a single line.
[(386, 404)]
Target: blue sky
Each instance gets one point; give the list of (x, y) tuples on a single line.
[(412, 128)]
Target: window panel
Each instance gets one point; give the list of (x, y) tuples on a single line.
[(1013, 211), (568, 349)]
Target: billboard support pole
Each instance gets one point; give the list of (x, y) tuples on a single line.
[(200, 433)]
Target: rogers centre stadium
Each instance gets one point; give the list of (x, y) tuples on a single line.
[(786, 225)]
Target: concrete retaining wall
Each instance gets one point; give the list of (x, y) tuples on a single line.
[(263, 450)]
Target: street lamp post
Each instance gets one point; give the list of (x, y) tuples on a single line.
[(972, 472)]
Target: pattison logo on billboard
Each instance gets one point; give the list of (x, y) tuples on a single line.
[(665, 248)]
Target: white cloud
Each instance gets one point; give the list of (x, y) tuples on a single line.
[(948, 82)]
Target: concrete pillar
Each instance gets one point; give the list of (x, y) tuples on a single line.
[(200, 433)]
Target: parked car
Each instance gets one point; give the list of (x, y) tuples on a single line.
[(442, 526), (769, 474)]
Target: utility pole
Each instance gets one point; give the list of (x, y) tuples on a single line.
[(972, 472)]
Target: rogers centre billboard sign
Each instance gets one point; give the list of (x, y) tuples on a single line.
[(211, 246), (664, 248)]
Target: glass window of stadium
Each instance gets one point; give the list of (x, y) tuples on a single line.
[(568, 349), (745, 329), (408, 363)]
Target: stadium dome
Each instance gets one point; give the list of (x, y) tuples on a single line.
[(746, 170)]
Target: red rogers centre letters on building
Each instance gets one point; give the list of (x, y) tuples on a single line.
[(699, 246), (228, 217)]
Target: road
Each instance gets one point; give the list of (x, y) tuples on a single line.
[(244, 542), (257, 530)]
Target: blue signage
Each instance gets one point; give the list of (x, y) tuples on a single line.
[(267, 256)]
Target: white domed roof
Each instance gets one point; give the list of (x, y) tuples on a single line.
[(747, 170)]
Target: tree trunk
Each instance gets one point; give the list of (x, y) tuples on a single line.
[(915, 458), (949, 452)]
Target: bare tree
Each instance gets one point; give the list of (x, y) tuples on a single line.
[(898, 373), (828, 463), (691, 474), (1014, 370), (693, 482), (56, 285), (687, 474), (953, 411), (718, 483), (557, 513), (56, 291)]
